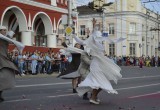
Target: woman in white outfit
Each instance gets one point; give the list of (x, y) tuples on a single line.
[(102, 69)]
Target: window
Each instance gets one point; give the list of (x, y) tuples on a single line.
[(82, 30), (41, 40), (111, 49), (111, 28), (143, 28), (61, 31), (132, 28), (97, 26), (147, 48), (132, 49), (53, 3), (59, 42)]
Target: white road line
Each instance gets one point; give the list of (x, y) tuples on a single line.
[(141, 77), (36, 85), (139, 86), (144, 95), (20, 100), (64, 95)]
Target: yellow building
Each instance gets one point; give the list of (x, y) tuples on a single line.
[(127, 19)]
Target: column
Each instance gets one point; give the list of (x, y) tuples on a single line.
[(118, 5), (139, 5), (51, 41), (26, 38), (139, 38), (124, 5)]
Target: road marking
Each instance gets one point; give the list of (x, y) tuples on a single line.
[(115, 89), (141, 77), (19, 100), (22, 80), (64, 83), (138, 86), (144, 95), (64, 95), (51, 84)]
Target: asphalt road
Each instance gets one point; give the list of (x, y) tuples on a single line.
[(138, 90)]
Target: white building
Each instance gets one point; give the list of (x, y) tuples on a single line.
[(127, 19)]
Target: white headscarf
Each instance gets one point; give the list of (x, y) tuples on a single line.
[(92, 44), (2, 27)]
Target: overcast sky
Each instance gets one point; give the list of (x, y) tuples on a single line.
[(152, 5)]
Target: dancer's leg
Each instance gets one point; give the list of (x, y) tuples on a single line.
[(1, 98), (74, 84), (94, 97), (94, 94)]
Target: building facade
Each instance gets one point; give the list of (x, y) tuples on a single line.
[(127, 19), (39, 21)]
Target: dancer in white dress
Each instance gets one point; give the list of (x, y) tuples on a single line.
[(102, 69)]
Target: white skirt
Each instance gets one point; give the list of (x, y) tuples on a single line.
[(102, 70), (71, 75)]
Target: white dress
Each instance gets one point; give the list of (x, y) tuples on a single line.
[(102, 69)]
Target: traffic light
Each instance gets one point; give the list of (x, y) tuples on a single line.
[(91, 5)]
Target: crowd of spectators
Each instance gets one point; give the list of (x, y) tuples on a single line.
[(46, 63), (153, 61), (39, 63)]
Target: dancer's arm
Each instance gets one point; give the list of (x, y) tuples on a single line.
[(86, 58), (81, 42)]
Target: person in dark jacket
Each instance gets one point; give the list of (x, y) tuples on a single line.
[(7, 67)]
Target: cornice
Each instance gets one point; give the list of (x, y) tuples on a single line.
[(119, 14), (41, 5)]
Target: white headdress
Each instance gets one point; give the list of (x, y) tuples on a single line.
[(2, 27), (92, 43)]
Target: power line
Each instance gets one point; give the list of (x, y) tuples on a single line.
[(150, 1)]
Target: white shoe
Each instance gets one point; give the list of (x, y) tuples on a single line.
[(23, 74), (98, 100), (93, 102)]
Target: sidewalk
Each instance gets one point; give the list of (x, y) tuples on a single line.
[(54, 74)]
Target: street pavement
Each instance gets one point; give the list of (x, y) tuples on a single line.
[(139, 89)]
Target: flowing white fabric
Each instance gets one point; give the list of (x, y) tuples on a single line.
[(102, 69), (19, 45)]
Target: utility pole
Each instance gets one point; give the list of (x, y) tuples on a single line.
[(94, 22), (69, 12), (69, 29), (150, 1)]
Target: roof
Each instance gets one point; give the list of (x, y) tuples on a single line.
[(85, 10)]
